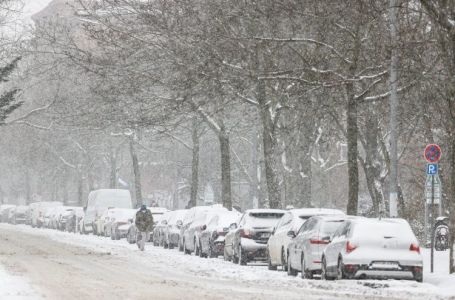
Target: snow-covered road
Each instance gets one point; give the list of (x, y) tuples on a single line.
[(68, 266)]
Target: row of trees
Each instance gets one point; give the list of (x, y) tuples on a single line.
[(274, 103)]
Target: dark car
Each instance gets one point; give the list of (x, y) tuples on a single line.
[(253, 232)]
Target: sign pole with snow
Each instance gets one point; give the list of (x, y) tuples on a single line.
[(432, 154)]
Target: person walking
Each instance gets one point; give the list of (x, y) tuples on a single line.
[(144, 224)]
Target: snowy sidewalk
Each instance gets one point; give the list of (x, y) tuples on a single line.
[(15, 288)]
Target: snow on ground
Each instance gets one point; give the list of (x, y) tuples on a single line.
[(436, 286), (14, 287)]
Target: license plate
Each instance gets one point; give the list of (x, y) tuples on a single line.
[(265, 235), (391, 265)]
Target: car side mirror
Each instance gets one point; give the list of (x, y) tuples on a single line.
[(179, 223), (291, 234), (233, 226), (164, 222)]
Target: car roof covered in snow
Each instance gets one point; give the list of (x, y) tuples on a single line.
[(264, 210), (301, 212)]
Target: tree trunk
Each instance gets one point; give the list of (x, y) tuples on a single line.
[(137, 175), (113, 169), (194, 166), (28, 193), (225, 150), (352, 136), (80, 189), (269, 144), (451, 205)]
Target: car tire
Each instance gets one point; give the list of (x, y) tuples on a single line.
[(225, 256), (243, 260), (196, 248), (185, 251), (270, 266), (305, 274), (283, 261), (418, 276), (324, 275), (291, 271), (340, 270)]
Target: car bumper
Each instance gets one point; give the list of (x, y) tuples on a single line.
[(254, 250)]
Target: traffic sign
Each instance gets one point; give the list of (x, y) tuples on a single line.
[(432, 153), (432, 169)]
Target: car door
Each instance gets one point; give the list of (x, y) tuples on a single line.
[(306, 246), (337, 244), (297, 243)]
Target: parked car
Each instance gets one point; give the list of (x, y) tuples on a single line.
[(291, 221), (70, 219), (99, 201), (119, 218), (158, 230), (193, 223), (99, 224), (373, 248), (65, 215), (253, 232), (38, 210), (171, 231), (19, 214), (228, 252), (4, 212), (211, 239), (304, 253)]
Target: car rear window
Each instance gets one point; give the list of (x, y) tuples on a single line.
[(267, 215), (380, 229), (329, 227)]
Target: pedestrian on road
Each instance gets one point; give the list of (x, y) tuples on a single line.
[(144, 224)]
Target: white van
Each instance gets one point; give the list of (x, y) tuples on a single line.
[(101, 200)]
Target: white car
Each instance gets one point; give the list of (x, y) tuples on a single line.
[(193, 224), (171, 231), (373, 248), (117, 226), (291, 221), (304, 252), (211, 239)]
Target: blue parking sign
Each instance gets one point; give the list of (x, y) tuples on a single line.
[(432, 169)]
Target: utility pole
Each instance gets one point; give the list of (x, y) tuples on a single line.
[(393, 9)]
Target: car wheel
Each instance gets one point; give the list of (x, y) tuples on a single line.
[(324, 275), (243, 260), (270, 266), (186, 251), (340, 270), (225, 255), (291, 271), (305, 274), (196, 248), (283, 261)]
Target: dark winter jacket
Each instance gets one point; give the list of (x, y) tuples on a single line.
[(144, 220)]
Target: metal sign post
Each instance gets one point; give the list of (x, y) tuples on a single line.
[(432, 154)]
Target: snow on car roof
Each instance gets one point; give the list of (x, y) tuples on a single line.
[(265, 210), (316, 211), (371, 227)]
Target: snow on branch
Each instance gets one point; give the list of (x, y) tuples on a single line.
[(306, 40)]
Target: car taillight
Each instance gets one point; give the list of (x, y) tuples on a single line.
[(350, 247), (415, 248), (245, 233), (318, 242)]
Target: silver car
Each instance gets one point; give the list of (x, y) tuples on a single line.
[(373, 248)]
